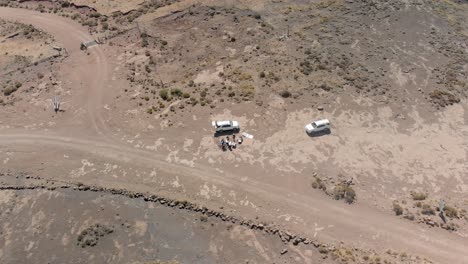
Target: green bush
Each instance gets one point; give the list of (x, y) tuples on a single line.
[(419, 196), (344, 192), (427, 210), (164, 94), (176, 92), (397, 209), (186, 95), (285, 94), (9, 90), (318, 184), (450, 212)]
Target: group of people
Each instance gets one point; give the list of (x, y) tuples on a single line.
[(230, 143)]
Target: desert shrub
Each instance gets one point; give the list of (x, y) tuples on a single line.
[(345, 192), (419, 196), (262, 74), (65, 4), (443, 98), (409, 217), (40, 75), (95, 14), (144, 42), (105, 26), (318, 184), (9, 90), (163, 42), (164, 94), (397, 209), (427, 210), (149, 111), (323, 250), (285, 94), (176, 92), (186, 95), (450, 211), (89, 237), (203, 218)]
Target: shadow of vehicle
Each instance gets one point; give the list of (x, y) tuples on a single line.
[(319, 133), (226, 133)]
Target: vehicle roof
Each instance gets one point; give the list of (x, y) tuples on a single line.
[(223, 123), (322, 122)]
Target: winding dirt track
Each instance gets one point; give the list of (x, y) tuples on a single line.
[(359, 224), (93, 77)]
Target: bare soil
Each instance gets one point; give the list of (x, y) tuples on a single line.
[(137, 109)]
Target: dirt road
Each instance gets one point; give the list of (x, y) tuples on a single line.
[(359, 225), (90, 73)]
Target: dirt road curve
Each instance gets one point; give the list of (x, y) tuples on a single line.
[(92, 77), (358, 224)]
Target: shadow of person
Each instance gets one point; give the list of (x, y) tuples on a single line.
[(442, 216)]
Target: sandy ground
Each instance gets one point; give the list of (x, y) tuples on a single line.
[(389, 152), (109, 7), (141, 232)]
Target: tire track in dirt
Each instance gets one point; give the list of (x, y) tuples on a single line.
[(353, 222)]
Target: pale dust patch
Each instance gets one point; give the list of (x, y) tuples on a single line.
[(231, 51), (399, 76), (187, 143), (209, 77), (82, 170), (207, 192), (6, 196), (29, 246), (65, 239), (172, 157), (176, 183), (245, 202), (119, 248), (156, 144), (317, 229), (141, 227), (36, 222), (213, 247), (275, 101)]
